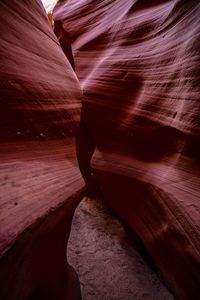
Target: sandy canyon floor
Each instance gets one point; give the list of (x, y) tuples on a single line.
[(108, 265)]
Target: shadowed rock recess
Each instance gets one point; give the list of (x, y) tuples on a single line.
[(110, 95)]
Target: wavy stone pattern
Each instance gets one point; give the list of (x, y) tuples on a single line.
[(40, 182), (51, 107), (138, 65)]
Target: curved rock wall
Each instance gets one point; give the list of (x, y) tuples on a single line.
[(138, 65), (47, 95), (40, 182)]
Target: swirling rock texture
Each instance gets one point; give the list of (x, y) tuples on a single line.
[(138, 65), (40, 183)]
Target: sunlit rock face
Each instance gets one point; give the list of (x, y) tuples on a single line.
[(40, 182), (138, 65), (49, 5)]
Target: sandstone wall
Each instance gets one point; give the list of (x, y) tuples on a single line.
[(138, 66)]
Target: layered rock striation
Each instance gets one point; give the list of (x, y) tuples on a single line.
[(138, 66), (138, 139), (40, 182)]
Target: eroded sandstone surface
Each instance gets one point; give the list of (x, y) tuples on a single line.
[(138, 66), (40, 182), (137, 63)]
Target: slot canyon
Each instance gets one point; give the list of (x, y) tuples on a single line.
[(100, 150)]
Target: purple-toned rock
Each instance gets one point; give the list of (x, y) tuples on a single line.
[(138, 65), (40, 182)]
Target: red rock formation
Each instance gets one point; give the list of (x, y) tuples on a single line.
[(40, 183), (138, 65)]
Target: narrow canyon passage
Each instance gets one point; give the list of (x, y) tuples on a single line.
[(99, 97), (108, 265)]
